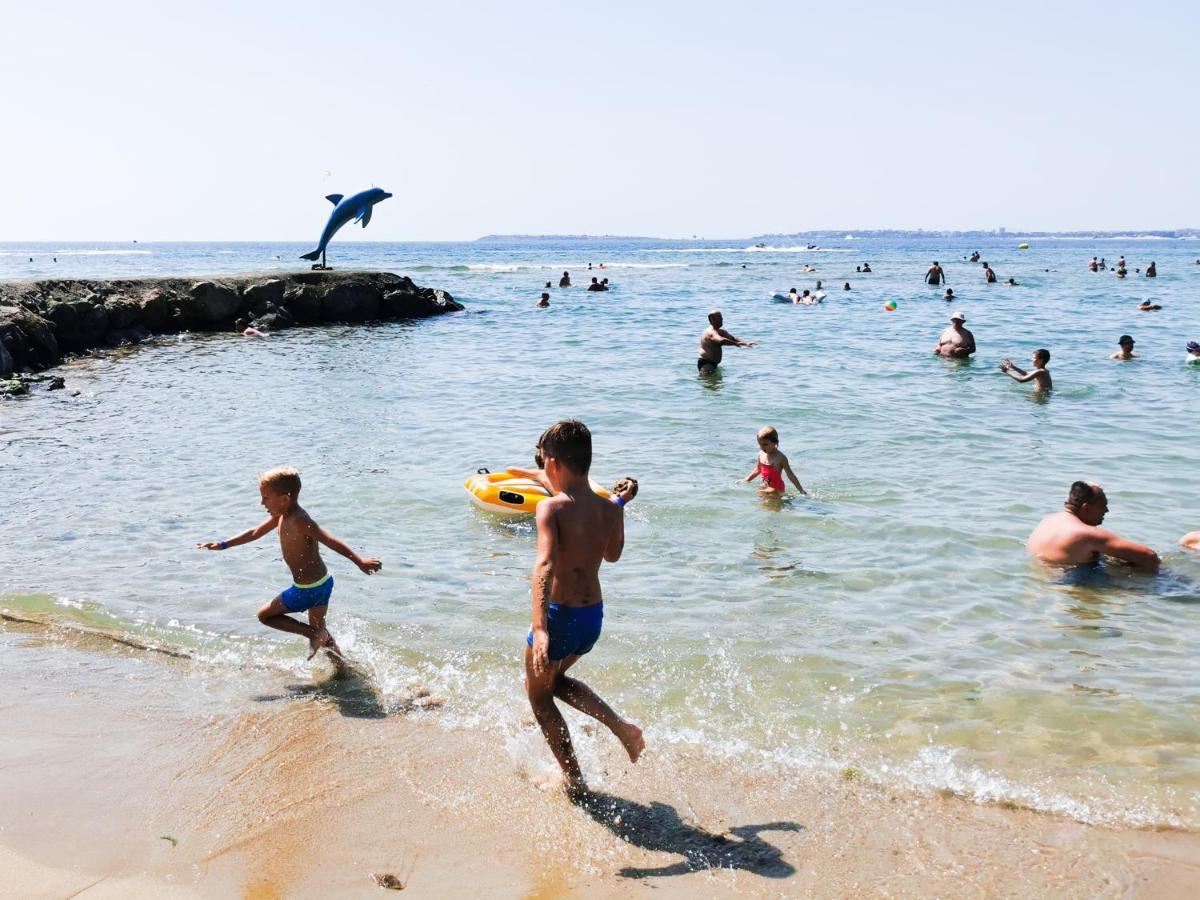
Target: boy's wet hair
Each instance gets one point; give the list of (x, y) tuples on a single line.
[(538, 459), (623, 484), (570, 443), (768, 432), (1043, 354), (281, 480)]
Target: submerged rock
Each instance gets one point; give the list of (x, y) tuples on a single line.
[(42, 320)]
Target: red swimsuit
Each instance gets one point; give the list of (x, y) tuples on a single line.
[(771, 477)]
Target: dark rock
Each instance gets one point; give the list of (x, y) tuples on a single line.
[(122, 311), (275, 321), (263, 296), (349, 303), (213, 302), (39, 320), (303, 303), (57, 383), (28, 339), (13, 387), (155, 310)]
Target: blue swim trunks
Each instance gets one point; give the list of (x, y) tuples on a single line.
[(573, 630), (300, 597)]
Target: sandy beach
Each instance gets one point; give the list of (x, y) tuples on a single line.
[(313, 790)]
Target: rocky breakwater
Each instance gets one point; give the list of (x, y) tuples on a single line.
[(41, 322)]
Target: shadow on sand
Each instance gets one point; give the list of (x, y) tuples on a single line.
[(657, 827), (353, 694)]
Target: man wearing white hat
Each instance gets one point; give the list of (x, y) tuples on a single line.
[(956, 341)]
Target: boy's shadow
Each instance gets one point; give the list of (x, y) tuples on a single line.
[(658, 827), (355, 696)]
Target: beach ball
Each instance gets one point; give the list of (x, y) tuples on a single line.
[(890, 306)]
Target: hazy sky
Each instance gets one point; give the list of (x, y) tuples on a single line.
[(231, 121)]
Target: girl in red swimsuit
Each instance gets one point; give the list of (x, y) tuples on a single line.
[(772, 465)]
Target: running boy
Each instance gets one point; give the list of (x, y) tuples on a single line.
[(298, 538), (1039, 373), (772, 464), (576, 531)]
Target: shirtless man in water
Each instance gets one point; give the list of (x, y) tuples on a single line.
[(576, 531), (312, 585), (1074, 537), (935, 275), (955, 341), (712, 340)]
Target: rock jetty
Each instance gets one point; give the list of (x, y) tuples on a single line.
[(41, 322)]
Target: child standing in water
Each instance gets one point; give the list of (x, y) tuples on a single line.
[(576, 531), (772, 464), (298, 538)]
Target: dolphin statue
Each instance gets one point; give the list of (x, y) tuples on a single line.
[(357, 208)]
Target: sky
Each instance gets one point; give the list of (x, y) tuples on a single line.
[(221, 121)]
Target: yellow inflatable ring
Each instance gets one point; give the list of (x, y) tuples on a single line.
[(509, 494)]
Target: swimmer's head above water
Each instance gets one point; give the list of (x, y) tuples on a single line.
[(1087, 502)]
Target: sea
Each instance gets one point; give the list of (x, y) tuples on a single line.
[(888, 626)]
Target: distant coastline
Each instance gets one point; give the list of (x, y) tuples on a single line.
[(850, 233)]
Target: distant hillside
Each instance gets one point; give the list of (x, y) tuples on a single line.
[(841, 234)]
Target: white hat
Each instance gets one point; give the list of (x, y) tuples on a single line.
[(958, 316)]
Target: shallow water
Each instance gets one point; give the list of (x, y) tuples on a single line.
[(891, 622)]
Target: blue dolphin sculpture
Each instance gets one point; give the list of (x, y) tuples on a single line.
[(357, 208)]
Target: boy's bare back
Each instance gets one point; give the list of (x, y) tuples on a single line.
[(581, 530)]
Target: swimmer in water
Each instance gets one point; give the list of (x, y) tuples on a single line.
[(988, 274), (1193, 351), (772, 465), (1073, 537), (934, 275), (1040, 374), (1190, 541), (949, 295), (712, 340), (299, 537), (1012, 282), (955, 341), (1094, 265), (1125, 342), (1152, 270), (846, 286), (565, 281), (544, 301), (577, 531), (1147, 306)]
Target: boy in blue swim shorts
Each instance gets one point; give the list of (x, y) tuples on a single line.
[(312, 584), (576, 531)]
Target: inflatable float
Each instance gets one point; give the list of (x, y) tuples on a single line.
[(510, 495)]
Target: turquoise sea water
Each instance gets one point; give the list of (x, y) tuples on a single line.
[(891, 622)]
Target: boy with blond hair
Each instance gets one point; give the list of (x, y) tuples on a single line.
[(576, 531), (312, 584)]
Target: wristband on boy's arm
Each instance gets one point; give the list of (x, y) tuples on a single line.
[(620, 501), (223, 545)]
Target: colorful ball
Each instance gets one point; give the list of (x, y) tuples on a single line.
[(890, 306)]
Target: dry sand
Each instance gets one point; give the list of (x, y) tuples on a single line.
[(129, 773)]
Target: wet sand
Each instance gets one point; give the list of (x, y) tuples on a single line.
[(127, 772)]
